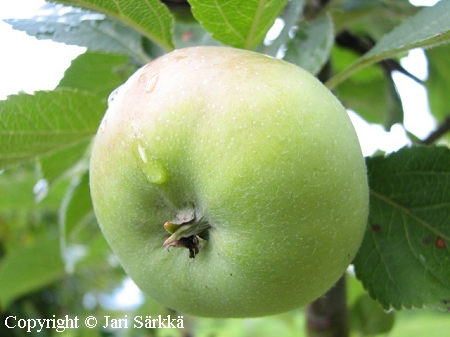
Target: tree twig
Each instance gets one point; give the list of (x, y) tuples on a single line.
[(327, 316), (442, 129), (362, 45)]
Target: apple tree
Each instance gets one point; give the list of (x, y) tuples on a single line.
[(55, 261)]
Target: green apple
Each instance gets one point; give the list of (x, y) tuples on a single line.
[(229, 183)]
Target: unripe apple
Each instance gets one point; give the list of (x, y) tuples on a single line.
[(229, 183)]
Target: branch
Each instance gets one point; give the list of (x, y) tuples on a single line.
[(362, 45), (438, 133), (327, 316)]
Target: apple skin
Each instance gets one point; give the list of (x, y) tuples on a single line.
[(256, 155)]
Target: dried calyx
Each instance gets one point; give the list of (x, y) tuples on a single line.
[(186, 231)]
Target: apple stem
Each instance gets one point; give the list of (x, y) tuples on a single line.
[(327, 316)]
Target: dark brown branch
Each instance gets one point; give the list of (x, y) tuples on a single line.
[(442, 129), (327, 316), (362, 45)]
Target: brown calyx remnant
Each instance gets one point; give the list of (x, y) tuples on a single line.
[(187, 230), (190, 242)]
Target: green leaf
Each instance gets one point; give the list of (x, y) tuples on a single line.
[(16, 191), (54, 166), (77, 205), (18, 196), (29, 269), (438, 82), (429, 27), (75, 213), (376, 101), (98, 251), (98, 73), (365, 98), (241, 24), (367, 317), (74, 26), (311, 45), (45, 123), (150, 18), (373, 18), (404, 260)]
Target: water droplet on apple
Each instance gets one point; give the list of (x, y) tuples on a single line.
[(103, 124), (113, 95), (151, 84), (151, 166)]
